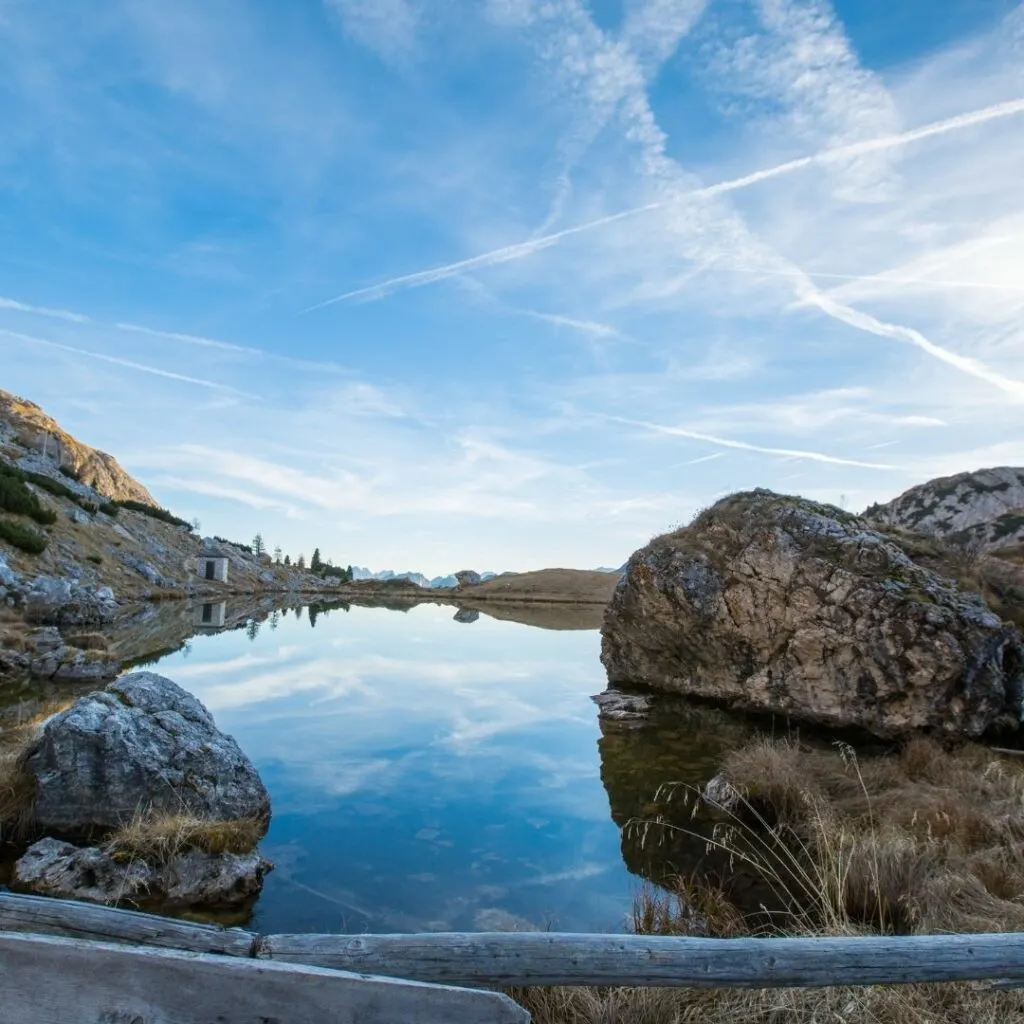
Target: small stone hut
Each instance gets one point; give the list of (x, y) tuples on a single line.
[(212, 565)]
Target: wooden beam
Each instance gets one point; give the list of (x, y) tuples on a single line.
[(43, 915), (49, 980), (547, 958)]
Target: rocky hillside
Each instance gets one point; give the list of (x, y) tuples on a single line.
[(982, 509), (73, 523), (32, 437), (780, 604)]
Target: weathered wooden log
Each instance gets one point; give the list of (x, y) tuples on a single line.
[(50, 980), (42, 915), (549, 958)]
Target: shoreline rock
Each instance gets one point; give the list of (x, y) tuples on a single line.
[(779, 604), (143, 744), (51, 867)]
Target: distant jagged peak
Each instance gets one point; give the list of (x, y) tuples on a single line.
[(29, 433), (984, 506)]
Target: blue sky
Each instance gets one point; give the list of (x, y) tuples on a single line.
[(514, 283)]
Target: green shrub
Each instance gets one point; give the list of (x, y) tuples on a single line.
[(55, 487), (29, 541), (97, 559), (71, 473), (109, 508), (153, 511), (17, 498)]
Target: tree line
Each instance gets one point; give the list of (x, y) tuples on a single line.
[(316, 563)]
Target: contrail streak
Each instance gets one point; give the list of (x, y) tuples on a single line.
[(745, 446), (141, 367), (59, 314), (866, 322), (528, 248)]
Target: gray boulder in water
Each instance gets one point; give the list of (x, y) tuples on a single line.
[(780, 604), (142, 745), (192, 878)]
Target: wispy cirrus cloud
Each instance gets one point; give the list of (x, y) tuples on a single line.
[(521, 250), (28, 339), (387, 27)]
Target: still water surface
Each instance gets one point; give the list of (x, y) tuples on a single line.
[(425, 774)]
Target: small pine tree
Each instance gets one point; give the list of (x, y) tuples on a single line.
[(301, 562), (349, 575), (287, 559), (258, 547), (277, 556), (315, 563)]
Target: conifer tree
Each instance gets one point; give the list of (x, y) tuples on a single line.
[(315, 563), (301, 562), (287, 559)]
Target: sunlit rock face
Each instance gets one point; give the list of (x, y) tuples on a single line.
[(984, 508), (780, 604)]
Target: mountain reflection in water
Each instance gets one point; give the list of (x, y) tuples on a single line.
[(431, 772)]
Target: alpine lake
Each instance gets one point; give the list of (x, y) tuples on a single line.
[(434, 769)]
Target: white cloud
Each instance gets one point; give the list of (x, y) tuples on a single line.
[(388, 27)]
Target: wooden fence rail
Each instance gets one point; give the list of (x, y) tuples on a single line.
[(495, 960)]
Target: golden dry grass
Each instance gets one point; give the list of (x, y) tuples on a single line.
[(921, 841), (159, 838), (575, 586)]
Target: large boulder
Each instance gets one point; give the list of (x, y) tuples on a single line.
[(780, 604), (98, 875), (467, 578), (142, 745)]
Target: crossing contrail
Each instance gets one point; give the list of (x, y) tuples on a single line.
[(522, 249)]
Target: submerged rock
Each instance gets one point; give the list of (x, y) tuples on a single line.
[(784, 605), (141, 744), (466, 615), (616, 706), (54, 868)]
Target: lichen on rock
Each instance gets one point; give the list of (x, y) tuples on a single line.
[(786, 605), (141, 744)]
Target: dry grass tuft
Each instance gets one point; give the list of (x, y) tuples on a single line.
[(17, 786), (877, 1004), (920, 841), (158, 839)]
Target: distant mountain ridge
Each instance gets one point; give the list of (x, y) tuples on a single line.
[(24, 423), (983, 508), (360, 572)]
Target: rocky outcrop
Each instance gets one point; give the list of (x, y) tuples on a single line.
[(39, 432), (56, 601), (984, 508), (467, 578), (45, 654), (142, 745), (98, 875), (780, 604)]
